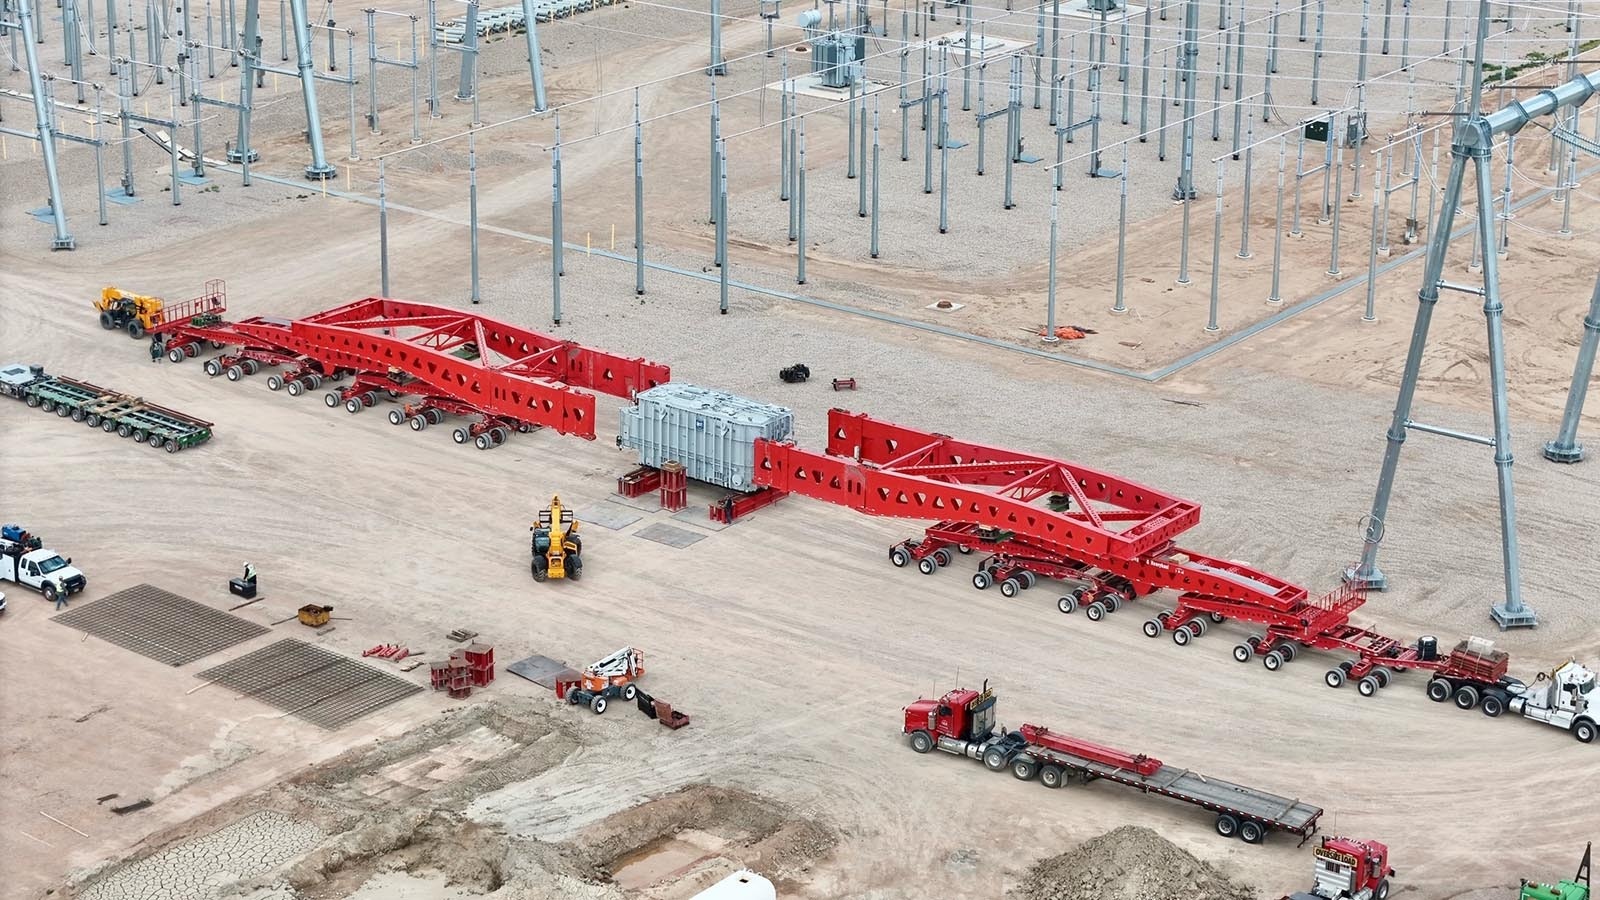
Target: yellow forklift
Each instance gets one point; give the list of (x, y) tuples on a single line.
[(134, 313), (557, 548)]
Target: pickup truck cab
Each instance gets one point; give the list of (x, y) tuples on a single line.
[(41, 570)]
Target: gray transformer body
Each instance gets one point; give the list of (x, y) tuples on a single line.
[(711, 433)]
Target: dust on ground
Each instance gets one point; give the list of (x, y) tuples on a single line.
[(1129, 863)]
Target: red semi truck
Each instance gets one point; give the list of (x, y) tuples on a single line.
[(963, 722), (1349, 869)]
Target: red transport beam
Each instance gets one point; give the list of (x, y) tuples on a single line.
[(889, 470), (1133, 762)]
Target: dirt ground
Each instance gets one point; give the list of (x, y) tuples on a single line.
[(787, 637)]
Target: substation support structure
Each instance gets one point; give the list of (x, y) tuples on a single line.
[(443, 361), (1473, 143)]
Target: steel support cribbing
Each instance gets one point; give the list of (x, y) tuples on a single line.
[(1473, 140)]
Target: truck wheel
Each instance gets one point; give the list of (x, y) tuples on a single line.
[(1227, 825), (460, 435), (274, 382), (354, 405), (1009, 587), (963, 549), (124, 429), (108, 425), (49, 591), (234, 373), (1051, 776), (1288, 651), (981, 580), (156, 440), (1334, 678), (418, 423), (171, 446), (176, 354), (926, 565), (1494, 703), (1385, 676), (1181, 635), (483, 441), (1251, 832), (1273, 661), (396, 417), (63, 411), (1439, 690), (77, 414), (213, 368), (1022, 770), (943, 557), (921, 741), (598, 704), (1466, 696), (1068, 605), (295, 387), (1095, 611), (995, 760), (1367, 686), (92, 420), (1027, 579), (1243, 652), (1217, 617), (1152, 628), (1584, 730), (331, 399), (1381, 892)]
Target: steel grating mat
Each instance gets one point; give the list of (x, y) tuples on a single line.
[(160, 624), (317, 685)]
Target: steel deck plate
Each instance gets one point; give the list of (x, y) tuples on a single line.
[(317, 685), (161, 625), (542, 670), (672, 536), (608, 515)]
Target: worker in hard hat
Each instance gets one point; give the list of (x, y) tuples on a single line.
[(61, 594), (155, 351)]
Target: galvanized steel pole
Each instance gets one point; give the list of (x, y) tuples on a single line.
[(383, 230), (319, 169), (1565, 448), (557, 239), (47, 138), (1216, 256), (535, 56), (638, 198)]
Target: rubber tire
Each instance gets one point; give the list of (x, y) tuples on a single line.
[(108, 426), (1027, 579), (629, 692), (963, 550), (354, 405), (107, 320), (234, 373), (135, 330), (213, 368), (63, 411), (1385, 676), (274, 382), (172, 446), (1585, 731), (396, 417), (139, 435), (49, 591), (942, 557), (598, 704), (1152, 628), (1009, 587), (1095, 611), (1367, 686), (47, 405), (331, 399), (124, 430), (295, 387), (1067, 605), (1181, 636), (927, 566), (461, 435), (1493, 704), (1227, 825), (177, 355), (1251, 832), (1465, 697), (1200, 626), (1243, 652), (1334, 678), (921, 741), (1218, 618), (77, 414), (418, 423), (156, 440), (92, 420), (994, 760), (1289, 651), (540, 573), (1273, 661), (1052, 776), (1022, 770), (981, 580), (1439, 690), (1381, 892), (898, 557)]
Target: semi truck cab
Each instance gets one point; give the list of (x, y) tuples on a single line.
[(1349, 869), (1563, 697), (961, 722)]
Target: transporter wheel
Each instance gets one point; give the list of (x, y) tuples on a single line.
[(213, 368), (1152, 628), (1067, 605), (1251, 832), (251, 366), (1027, 579), (295, 387), (1584, 730), (172, 446), (234, 373), (156, 440), (274, 382), (331, 398), (1181, 635), (994, 760), (47, 405), (32, 400), (1113, 601), (1367, 686), (963, 550), (981, 580), (1227, 825), (217, 345), (1243, 652), (1009, 587), (1218, 618), (1494, 703), (1385, 676), (418, 423), (598, 704), (927, 566), (63, 411), (139, 435), (461, 435), (354, 405), (1273, 661), (190, 351), (483, 441), (1023, 770), (1095, 611), (124, 430), (1289, 651), (1334, 678), (108, 426), (315, 381), (1439, 690), (77, 414), (1466, 696), (1200, 627), (898, 556), (1051, 776), (921, 741), (176, 354), (93, 420), (943, 557), (396, 417)]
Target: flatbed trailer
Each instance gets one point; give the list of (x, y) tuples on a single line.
[(962, 722), (104, 408)]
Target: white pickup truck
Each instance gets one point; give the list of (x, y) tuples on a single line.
[(25, 561)]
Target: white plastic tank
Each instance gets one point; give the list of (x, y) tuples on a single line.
[(741, 885)]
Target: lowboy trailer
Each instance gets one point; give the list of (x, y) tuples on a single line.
[(962, 722), (104, 408)]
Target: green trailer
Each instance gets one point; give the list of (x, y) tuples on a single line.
[(102, 408)]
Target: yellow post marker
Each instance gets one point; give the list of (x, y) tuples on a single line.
[(587, 250), (347, 179), (3, 154), (613, 236), (324, 188)]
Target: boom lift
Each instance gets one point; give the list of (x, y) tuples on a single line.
[(605, 680), (557, 548)]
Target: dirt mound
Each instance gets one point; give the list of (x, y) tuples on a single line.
[(1130, 863)]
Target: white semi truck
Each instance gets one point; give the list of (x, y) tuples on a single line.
[(25, 560)]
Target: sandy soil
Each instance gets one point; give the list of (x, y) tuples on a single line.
[(760, 630)]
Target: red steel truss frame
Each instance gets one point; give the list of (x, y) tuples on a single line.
[(883, 469), (536, 380)]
